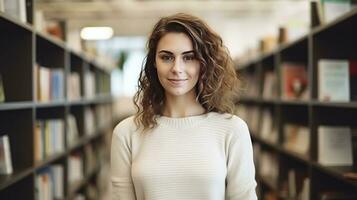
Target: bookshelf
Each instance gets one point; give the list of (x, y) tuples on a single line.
[(22, 51), (334, 40)]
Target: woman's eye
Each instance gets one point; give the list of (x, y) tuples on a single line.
[(166, 58), (189, 58)]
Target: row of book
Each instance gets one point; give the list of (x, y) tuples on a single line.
[(326, 12), (267, 165), (17, 10), (289, 181), (49, 183), (49, 138), (295, 184), (49, 134), (50, 180), (337, 81), (335, 143), (50, 84)]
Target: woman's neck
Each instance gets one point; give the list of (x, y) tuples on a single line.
[(182, 106)]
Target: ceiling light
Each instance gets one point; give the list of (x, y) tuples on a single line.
[(96, 33)]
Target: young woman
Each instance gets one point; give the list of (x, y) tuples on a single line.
[(184, 142)]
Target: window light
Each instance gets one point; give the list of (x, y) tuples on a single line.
[(96, 33)]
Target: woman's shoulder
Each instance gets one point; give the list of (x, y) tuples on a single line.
[(125, 127), (228, 119)]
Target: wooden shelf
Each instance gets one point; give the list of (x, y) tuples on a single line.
[(330, 41), (24, 47)]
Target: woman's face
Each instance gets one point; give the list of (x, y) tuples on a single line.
[(177, 67)]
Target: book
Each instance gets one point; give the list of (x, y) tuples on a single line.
[(333, 9), (5, 155), (269, 167), (16, 9), (335, 146), (43, 83), (268, 129), (294, 81), (75, 168), (72, 130), (57, 84), (89, 83), (305, 192), (2, 90), (49, 182), (73, 86), (292, 184), (353, 79), (270, 89), (89, 121), (333, 80), (297, 139), (2, 6)]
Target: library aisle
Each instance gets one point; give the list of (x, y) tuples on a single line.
[(62, 92)]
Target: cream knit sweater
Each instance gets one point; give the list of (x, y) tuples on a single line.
[(205, 157)]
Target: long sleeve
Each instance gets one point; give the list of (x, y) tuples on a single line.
[(122, 184), (240, 166)]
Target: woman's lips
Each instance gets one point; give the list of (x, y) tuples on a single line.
[(177, 82)]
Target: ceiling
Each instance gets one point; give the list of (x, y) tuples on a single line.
[(136, 17)]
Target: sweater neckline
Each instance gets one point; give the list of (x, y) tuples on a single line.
[(182, 122)]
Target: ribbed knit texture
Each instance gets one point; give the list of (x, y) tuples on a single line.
[(205, 157)]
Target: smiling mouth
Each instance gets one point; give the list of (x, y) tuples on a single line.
[(177, 82), (177, 79)]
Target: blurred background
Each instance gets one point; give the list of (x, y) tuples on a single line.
[(69, 70)]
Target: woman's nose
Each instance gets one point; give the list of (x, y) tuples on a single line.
[(177, 66)]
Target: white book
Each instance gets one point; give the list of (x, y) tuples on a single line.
[(72, 130), (89, 85), (5, 155), (16, 9), (292, 183), (73, 86), (334, 9), (39, 20), (58, 181), (305, 193), (333, 80), (89, 123), (2, 7), (44, 81), (335, 146), (269, 88)]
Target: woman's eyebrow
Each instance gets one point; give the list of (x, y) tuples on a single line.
[(165, 51), (169, 52), (187, 52)]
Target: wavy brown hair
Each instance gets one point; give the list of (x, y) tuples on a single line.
[(217, 86)]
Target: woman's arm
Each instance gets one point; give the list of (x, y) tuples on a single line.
[(240, 166), (122, 185)]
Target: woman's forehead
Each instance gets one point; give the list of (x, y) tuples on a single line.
[(176, 43)]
